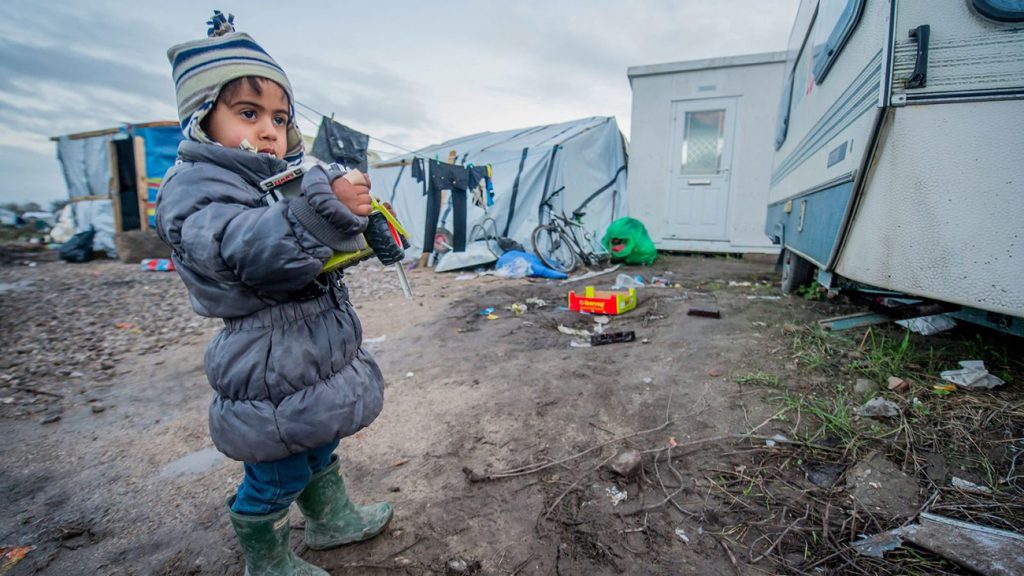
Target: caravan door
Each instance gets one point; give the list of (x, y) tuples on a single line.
[(698, 192)]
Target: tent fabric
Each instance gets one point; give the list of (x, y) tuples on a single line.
[(85, 163), (573, 165), (161, 153), (338, 143)]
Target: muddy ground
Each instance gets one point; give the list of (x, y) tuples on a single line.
[(108, 468)]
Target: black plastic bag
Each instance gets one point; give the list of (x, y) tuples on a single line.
[(79, 248)]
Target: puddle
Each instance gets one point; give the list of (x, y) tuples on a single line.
[(194, 464)]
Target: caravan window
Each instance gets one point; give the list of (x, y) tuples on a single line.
[(1000, 10), (782, 120), (835, 21)]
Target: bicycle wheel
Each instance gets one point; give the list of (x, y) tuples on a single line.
[(553, 249)]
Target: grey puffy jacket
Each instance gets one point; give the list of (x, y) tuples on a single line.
[(288, 371)]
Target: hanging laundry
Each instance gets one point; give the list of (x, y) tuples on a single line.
[(444, 176), (338, 143)]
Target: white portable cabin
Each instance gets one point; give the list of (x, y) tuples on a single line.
[(899, 158), (701, 151)]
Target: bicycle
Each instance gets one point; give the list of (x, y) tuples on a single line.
[(563, 244)]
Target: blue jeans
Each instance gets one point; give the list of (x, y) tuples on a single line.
[(272, 486)]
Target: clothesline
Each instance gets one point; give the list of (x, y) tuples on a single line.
[(413, 152)]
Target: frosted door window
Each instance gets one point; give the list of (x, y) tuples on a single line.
[(702, 142)]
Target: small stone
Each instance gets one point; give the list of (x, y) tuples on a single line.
[(865, 387), (625, 463), (97, 408), (898, 384), (394, 489), (50, 418), (106, 365), (879, 407)]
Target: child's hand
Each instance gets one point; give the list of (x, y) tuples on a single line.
[(353, 190)]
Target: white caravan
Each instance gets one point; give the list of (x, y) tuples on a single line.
[(899, 159)]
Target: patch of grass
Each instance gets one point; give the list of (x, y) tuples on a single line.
[(758, 378), (812, 291), (884, 355), (819, 349), (831, 417)]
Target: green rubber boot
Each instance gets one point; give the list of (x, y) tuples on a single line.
[(265, 546), (331, 518)]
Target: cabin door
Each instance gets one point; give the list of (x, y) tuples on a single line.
[(698, 194)]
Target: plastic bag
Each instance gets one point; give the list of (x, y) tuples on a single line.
[(79, 248), (516, 264), (627, 240)]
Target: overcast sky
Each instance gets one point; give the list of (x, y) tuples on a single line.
[(412, 73)]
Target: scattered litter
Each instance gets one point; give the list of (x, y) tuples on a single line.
[(645, 341), (492, 316), (706, 310), (897, 384), (11, 555), (486, 311), (968, 486), (602, 320), (462, 277), (973, 375), (536, 302), (771, 442), (618, 496), (648, 380), (157, 265), (879, 407), (400, 462), (876, 546), (758, 297), (376, 340), (516, 264), (928, 325), (660, 282), (626, 462), (573, 331), (517, 308), (627, 281), (735, 283), (759, 324), (409, 374), (602, 302), (612, 338), (984, 550), (459, 566), (579, 344), (682, 535)]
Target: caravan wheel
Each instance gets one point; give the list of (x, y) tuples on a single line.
[(796, 272)]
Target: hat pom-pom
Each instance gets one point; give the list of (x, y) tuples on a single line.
[(220, 24)]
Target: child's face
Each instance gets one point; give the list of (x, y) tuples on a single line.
[(260, 118)]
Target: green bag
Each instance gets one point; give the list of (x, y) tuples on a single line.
[(627, 240)]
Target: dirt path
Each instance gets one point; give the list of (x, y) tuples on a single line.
[(135, 488)]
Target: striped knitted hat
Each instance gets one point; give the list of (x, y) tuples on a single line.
[(201, 68)]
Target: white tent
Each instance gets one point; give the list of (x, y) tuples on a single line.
[(577, 165)]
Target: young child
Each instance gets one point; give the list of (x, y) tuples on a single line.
[(288, 370)]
